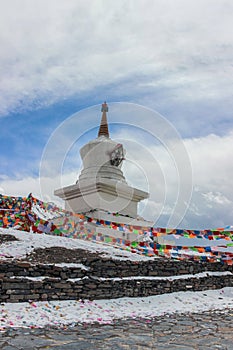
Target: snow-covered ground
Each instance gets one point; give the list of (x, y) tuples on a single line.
[(30, 241), (61, 313)]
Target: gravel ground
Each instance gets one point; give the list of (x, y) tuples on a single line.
[(206, 331), (60, 255)]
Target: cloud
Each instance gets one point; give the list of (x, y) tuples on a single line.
[(40, 187), (151, 168), (53, 50)]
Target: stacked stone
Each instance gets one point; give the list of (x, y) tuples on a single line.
[(105, 278)]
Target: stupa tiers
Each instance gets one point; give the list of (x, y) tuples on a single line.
[(101, 185)]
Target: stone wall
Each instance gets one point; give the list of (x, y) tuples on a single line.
[(105, 278), (156, 267), (52, 288), (104, 267)]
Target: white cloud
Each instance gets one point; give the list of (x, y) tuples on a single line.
[(212, 198), (217, 198), (53, 50), (211, 162), (41, 188)]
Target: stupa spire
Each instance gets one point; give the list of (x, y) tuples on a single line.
[(103, 129)]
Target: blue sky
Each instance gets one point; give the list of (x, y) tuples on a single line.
[(172, 57)]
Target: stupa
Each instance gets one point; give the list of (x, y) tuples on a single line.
[(101, 186)]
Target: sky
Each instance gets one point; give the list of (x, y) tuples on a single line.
[(165, 69)]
